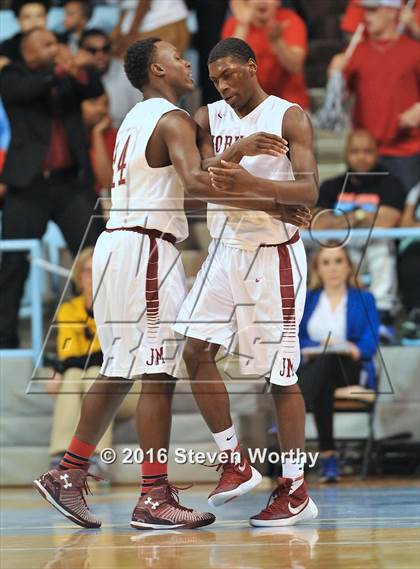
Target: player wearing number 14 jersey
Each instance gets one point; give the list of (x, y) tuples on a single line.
[(138, 286)]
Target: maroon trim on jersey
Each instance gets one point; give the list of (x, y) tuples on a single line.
[(152, 290), (287, 292), (144, 231)]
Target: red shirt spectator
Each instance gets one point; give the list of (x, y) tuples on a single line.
[(385, 77), (273, 76), (353, 16)]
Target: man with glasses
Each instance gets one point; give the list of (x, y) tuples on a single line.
[(122, 96)]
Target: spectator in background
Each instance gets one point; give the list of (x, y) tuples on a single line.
[(409, 18), (80, 357), (210, 16), (102, 136), (368, 197), (77, 14), (391, 114), (122, 95), (409, 268), (47, 167), (140, 19), (341, 316), (279, 39), (30, 14)]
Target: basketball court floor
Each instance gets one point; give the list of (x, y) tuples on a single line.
[(361, 525)]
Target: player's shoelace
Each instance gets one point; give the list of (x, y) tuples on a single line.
[(229, 470), (272, 504), (173, 496), (84, 486)]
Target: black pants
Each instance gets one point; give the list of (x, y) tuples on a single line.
[(409, 276), (26, 212), (318, 379)]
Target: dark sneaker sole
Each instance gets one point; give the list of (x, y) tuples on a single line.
[(72, 517), (189, 525)]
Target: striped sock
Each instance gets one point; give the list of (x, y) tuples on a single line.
[(150, 472), (77, 455)]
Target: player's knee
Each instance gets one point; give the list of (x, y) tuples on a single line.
[(195, 351), (282, 390), (158, 384)]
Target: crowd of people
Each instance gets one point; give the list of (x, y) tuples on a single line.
[(64, 96)]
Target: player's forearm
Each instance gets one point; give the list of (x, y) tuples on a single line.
[(199, 187), (143, 6), (303, 191), (241, 31), (231, 154), (288, 57)]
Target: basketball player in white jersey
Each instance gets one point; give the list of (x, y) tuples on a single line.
[(139, 285), (251, 289)]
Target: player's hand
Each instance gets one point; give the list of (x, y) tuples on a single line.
[(262, 143), (354, 352), (338, 63), (407, 16), (230, 177), (102, 125), (4, 61), (295, 214), (241, 11), (411, 117), (275, 30), (83, 58)]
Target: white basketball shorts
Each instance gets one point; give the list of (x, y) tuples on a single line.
[(251, 303), (139, 286)]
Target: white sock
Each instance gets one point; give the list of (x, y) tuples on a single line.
[(292, 469), (226, 440)]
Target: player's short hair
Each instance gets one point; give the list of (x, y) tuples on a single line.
[(137, 60), (91, 33), (17, 5), (233, 47), (86, 6)]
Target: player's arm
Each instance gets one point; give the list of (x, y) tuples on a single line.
[(304, 189), (258, 143), (186, 159)]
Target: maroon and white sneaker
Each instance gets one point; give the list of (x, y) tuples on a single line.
[(65, 489), (237, 478), (288, 504), (160, 509)]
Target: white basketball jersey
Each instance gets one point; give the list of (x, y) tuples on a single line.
[(141, 195), (247, 229)]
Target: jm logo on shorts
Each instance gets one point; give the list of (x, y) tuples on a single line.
[(156, 357), (287, 369)]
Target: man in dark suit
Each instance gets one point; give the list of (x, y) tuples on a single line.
[(47, 169)]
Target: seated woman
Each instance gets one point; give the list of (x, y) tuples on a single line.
[(338, 338), (80, 358)]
